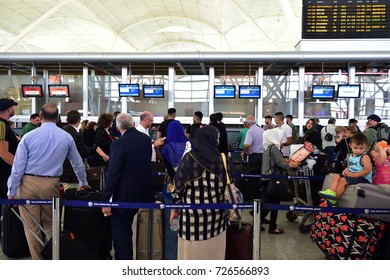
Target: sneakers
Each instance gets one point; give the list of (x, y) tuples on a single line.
[(327, 194)]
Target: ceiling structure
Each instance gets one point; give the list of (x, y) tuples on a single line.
[(153, 27)]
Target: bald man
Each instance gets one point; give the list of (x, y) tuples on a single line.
[(36, 172), (253, 144), (145, 123)]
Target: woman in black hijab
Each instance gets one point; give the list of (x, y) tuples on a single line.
[(200, 179)]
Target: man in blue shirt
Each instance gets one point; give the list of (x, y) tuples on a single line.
[(36, 170)]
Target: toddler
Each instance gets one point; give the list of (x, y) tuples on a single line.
[(359, 170), (381, 163)]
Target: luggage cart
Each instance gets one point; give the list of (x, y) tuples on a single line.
[(303, 197)]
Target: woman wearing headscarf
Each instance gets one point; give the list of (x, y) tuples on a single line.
[(176, 144), (200, 179), (272, 156)]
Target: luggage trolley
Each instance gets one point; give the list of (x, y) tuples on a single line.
[(302, 196)]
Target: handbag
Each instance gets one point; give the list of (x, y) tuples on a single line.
[(277, 186), (232, 195)]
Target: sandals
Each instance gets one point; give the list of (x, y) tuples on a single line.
[(276, 231)]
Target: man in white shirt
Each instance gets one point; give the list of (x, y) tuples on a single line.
[(285, 145), (328, 137), (145, 123)]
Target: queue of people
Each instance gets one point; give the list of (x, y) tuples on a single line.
[(194, 167)]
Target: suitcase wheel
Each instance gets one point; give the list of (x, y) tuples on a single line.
[(291, 216)]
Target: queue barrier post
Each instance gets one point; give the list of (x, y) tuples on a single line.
[(256, 228)]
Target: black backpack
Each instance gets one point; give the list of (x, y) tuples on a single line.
[(328, 136)]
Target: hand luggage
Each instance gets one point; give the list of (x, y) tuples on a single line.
[(346, 237), (96, 177), (89, 224), (158, 173), (363, 195), (249, 186), (150, 235), (71, 248), (13, 240), (239, 241)]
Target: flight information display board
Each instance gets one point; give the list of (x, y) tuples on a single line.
[(345, 19)]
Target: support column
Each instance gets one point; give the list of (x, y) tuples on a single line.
[(124, 80), (351, 101), (33, 81), (85, 92), (301, 98), (259, 105), (171, 87), (211, 89)]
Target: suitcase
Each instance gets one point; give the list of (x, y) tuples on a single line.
[(13, 240), (150, 235), (158, 173), (364, 195), (88, 223), (96, 177), (71, 248), (249, 186), (239, 241), (346, 237)]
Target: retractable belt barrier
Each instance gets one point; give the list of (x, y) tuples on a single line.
[(135, 205), (256, 206)]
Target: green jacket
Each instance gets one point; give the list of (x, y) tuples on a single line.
[(28, 127)]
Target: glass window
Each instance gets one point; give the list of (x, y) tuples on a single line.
[(280, 94), (191, 95)]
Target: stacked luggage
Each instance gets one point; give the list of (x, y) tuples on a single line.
[(89, 224)]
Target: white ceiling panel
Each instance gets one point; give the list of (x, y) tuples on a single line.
[(149, 26)]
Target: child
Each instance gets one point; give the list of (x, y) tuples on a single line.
[(381, 163), (359, 170)]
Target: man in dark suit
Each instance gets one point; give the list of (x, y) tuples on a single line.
[(129, 179), (68, 177)]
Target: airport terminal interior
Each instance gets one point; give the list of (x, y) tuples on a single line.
[(237, 57)]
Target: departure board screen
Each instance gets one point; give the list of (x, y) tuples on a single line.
[(345, 19)]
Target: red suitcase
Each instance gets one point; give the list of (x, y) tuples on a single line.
[(239, 241)]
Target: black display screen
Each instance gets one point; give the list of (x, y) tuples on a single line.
[(345, 19)]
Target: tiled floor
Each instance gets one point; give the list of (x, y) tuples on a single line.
[(292, 245)]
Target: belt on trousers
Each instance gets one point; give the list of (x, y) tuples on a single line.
[(41, 176)]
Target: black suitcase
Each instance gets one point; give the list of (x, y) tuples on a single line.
[(71, 248), (249, 186), (239, 241), (13, 240), (89, 224)]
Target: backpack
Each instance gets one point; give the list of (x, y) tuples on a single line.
[(383, 133), (328, 136)]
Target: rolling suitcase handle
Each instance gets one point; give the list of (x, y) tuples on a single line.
[(29, 228)]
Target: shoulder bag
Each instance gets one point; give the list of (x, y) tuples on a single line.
[(277, 186), (232, 195)]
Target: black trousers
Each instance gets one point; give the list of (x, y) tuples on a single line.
[(256, 160), (122, 233), (272, 199)]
